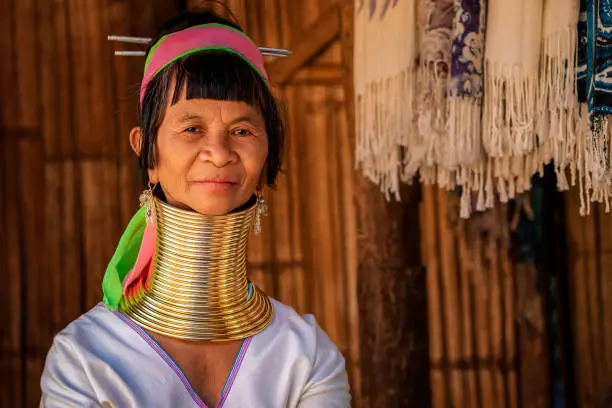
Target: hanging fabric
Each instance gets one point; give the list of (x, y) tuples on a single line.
[(464, 104), (594, 84), (512, 57), (435, 22), (385, 87), (557, 104)]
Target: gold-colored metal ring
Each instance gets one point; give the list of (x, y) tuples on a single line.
[(199, 289)]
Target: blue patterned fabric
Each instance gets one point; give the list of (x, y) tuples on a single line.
[(595, 56), (468, 48)]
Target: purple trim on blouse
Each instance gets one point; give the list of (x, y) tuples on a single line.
[(162, 353), (234, 372), (179, 373)]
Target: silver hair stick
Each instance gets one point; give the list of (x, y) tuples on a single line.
[(268, 51), (127, 39), (130, 53)]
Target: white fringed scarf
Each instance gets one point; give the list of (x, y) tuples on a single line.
[(512, 57), (558, 102), (385, 71)]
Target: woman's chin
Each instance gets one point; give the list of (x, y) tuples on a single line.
[(213, 204)]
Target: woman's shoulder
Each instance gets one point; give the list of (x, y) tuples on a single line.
[(308, 369), (89, 326), (289, 329)]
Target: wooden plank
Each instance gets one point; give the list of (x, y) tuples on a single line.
[(92, 94), (310, 12), (496, 317), (100, 223), (12, 386), (605, 253), (331, 56), (145, 18), (599, 299), (316, 184), (577, 278), (466, 273), (320, 75), (12, 343), (253, 26), (292, 165), (510, 351), (310, 42), (280, 207), (285, 26), (348, 241), (125, 72), (53, 243), (39, 299), (333, 136), (48, 79), (8, 69), (271, 30), (435, 311), (392, 301), (298, 138), (452, 304), (27, 62), (347, 129), (593, 318), (71, 238), (532, 340), (63, 81), (481, 323)]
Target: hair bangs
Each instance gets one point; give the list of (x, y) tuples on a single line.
[(218, 75)]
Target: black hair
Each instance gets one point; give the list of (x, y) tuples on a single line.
[(213, 75)]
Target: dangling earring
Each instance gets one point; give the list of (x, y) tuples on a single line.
[(261, 211), (146, 199)]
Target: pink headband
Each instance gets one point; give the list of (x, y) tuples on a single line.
[(173, 46)]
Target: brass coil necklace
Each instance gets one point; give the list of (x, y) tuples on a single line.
[(199, 289)]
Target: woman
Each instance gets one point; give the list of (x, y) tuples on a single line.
[(180, 324)]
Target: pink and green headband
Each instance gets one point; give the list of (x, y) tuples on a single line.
[(204, 37)]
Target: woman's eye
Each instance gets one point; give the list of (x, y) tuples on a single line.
[(192, 129), (242, 132)]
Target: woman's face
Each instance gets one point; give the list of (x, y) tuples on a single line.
[(210, 154)]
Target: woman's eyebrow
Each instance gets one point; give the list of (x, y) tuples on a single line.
[(247, 117), (189, 116)]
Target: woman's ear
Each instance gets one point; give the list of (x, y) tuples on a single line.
[(136, 140)]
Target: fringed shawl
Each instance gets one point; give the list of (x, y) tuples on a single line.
[(385, 70)]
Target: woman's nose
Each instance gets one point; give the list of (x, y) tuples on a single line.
[(217, 149)]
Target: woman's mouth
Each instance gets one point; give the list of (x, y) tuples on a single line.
[(216, 183)]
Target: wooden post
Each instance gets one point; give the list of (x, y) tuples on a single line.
[(391, 282), (392, 301)]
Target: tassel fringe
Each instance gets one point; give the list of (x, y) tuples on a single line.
[(384, 136)]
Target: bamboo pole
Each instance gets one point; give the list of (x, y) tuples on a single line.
[(292, 165), (435, 311), (452, 304), (466, 268)]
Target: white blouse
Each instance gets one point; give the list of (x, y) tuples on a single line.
[(103, 359)]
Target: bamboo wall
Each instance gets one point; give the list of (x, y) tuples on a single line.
[(589, 247), (470, 292), (70, 183)]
